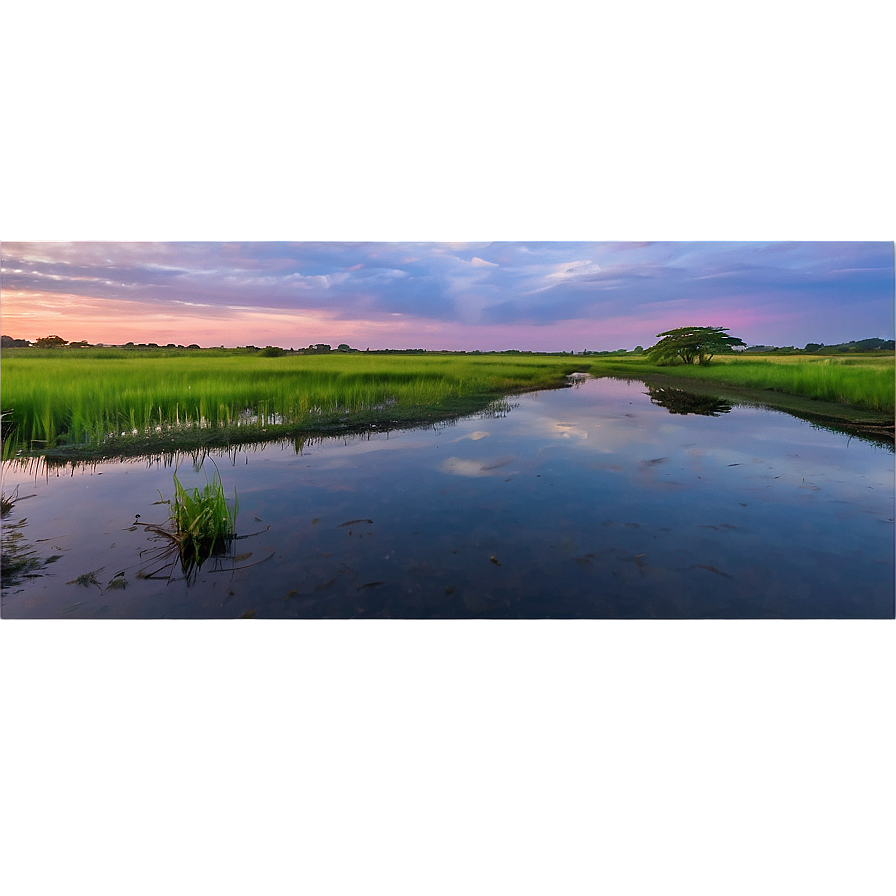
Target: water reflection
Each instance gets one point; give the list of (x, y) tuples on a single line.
[(591, 502), (20, 560), (677, 401)]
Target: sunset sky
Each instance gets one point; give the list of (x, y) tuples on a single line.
[(542, 296), (447, 175)]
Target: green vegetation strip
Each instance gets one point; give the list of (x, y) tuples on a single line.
[(103, 404), (850, 388)]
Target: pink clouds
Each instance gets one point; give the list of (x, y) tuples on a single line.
[(551, 296)]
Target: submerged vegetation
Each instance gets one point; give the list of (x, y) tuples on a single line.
[(101, 403), (20, 560)]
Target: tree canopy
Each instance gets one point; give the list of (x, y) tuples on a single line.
[(51, 342), (692, 345)]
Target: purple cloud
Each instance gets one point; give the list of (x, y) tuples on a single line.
[(815, 291)]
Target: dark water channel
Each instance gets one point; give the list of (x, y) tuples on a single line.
[(594, 502)]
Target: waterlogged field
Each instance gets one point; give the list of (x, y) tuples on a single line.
[(865, 381), (108, 402), (120, 401), (612, 499)]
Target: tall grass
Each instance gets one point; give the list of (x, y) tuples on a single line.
[(864, 382), (101, 398), (202, 521), (107, 399), (201, 526)]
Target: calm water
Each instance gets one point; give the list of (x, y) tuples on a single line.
[(588, 502)]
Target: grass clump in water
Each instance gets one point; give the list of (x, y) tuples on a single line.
[(202, 522), (8, 501)]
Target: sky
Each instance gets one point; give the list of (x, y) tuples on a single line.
[(538, 296), (549, 176)]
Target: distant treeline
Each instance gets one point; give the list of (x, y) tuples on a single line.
[(321, 348), (812, 348)]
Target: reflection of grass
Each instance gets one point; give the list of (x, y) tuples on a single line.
[(7, 501), (19, 559)]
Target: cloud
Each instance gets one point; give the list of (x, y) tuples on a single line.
[(472, 291)]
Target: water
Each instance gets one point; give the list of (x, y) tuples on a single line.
[(590, 502)]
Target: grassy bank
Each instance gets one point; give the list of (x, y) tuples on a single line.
[(863, 384), (97, 403), (103, 403)]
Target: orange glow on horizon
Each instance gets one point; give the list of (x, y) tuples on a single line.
[(30, 315), (33, 314)]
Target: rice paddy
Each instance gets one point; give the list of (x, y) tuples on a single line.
[(865, 381), (107, 402)]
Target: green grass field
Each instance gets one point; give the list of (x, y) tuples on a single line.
[(117, 400), (106, 401), (862, 381)]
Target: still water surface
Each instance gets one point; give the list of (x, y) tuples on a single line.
[(590, 502)]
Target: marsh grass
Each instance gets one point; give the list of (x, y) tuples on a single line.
[(109, 400), (865, 382), (19, 559), (202, 522), (7, 501)]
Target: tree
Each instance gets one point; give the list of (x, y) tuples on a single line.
[(692, 345), (51, 342)]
